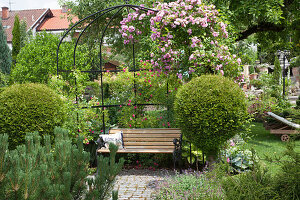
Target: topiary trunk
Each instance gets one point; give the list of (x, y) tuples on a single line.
[(211, 158)]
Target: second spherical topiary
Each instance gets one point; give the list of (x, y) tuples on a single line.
[(210, 109), (29, 107)]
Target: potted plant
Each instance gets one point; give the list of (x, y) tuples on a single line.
[(252, 75)]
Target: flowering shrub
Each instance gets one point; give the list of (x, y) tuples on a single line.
[(91, 126), (188, 37), (151, 88)]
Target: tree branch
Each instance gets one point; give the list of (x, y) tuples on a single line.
[(261, 27)]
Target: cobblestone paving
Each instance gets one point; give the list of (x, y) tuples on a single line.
[(139, 184)]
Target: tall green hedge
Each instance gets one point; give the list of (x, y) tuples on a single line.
[(16, 40), (210, 109), (27, 108)]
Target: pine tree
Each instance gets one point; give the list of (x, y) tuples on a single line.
[(5, 55), (277, 71), (16, 40), (35, 171)]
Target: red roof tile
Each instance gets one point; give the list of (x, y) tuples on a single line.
[(59, 21), (30, 16)]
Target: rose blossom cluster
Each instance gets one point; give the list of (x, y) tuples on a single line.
[(180, 30)]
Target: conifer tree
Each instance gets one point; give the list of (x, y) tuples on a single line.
[(16, 40), (5, 56), (35, 171), (23, 33)]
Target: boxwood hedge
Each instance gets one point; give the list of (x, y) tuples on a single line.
[(27, 108), (210, 109)]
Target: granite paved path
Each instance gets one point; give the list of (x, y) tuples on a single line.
[(139, 184)]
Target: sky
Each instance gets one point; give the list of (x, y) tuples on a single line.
[(29, 4)]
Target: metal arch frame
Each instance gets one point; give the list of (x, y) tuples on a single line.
[(106, 10), (98, 15)]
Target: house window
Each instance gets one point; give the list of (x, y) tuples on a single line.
[(6, 27)]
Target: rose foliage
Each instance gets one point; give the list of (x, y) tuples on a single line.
[(187, 37)]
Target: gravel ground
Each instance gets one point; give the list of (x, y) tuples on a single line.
[(139, 184)]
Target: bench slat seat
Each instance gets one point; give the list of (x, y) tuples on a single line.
[(147, 131), (135, 150), (150, 135), (148, 139), (134, 143), (158, 140)]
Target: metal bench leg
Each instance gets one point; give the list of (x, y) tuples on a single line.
[(97, 154), (177, 154)]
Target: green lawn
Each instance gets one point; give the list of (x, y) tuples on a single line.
[(265, 143)]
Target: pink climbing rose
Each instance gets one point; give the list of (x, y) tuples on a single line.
[(208, 38)]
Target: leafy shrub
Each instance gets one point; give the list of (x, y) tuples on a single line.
[(29, 107), (36, 61), (60, 173), (3, 79), (256, 83), (210, 110)]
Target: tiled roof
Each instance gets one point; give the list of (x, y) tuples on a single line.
[(30, 16), (59, 21)]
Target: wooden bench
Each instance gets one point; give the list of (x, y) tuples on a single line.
[(158, 140)]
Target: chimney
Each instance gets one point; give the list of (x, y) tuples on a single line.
[(5, 13)]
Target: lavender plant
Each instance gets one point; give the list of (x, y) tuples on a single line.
[(189, 185)]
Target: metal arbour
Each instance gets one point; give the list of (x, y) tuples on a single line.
[(100, 70)]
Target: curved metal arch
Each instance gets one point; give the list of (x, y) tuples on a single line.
[(80, 21), (97, 15), (83, 31)]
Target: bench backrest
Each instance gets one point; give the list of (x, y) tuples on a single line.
[(158, 138)]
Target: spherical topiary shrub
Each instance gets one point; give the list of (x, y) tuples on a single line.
[(29, 107), (210, 109)]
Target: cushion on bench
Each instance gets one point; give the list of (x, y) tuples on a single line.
[(116, 138)]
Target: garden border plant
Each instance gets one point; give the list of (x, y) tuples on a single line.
[(29, 107), (210, 110)]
